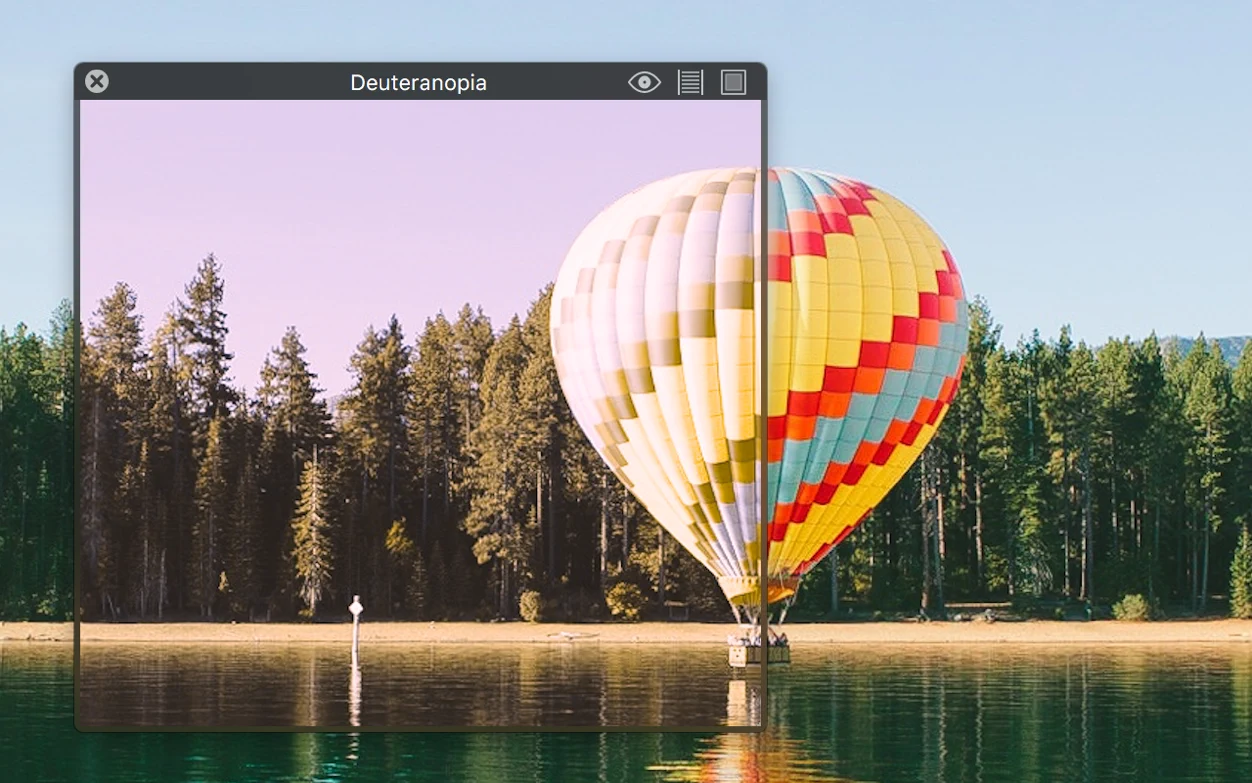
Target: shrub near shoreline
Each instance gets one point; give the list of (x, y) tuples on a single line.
[(530, 607), (1134, 608), (625, 600)]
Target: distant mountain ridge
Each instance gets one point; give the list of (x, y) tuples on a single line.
[(1232, 347)]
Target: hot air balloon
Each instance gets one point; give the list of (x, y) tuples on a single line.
[(659, 340)]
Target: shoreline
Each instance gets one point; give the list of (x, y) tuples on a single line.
[(1028, 632)]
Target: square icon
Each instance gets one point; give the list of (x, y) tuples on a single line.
[(735, 82)]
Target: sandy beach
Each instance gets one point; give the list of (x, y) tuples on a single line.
[(881, 632)]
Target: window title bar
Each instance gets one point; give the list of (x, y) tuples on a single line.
[(419, 81)]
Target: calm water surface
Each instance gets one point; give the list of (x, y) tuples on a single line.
[(403, 685), (841, 714)]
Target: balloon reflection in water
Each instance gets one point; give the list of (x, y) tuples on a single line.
[(749, 758)]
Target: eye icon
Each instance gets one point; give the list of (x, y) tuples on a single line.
[(644, 82)]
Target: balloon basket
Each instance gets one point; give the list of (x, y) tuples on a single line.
[(742, 656)]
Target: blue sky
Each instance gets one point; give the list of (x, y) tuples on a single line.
[(1086, 163)]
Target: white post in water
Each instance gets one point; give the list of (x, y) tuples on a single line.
[(356, 610), (354, 697)]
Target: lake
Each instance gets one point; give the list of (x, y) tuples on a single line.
[(559, 684), (990, 713)]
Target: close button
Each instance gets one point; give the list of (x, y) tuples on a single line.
[(97, 81)]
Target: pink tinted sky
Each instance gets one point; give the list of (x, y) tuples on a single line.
[(331, 216)]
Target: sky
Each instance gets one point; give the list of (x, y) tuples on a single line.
[(1087, 164), (331, 216)]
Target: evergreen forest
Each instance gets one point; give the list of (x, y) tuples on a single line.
[(451, 480)]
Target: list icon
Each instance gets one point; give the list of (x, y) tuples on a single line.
[(690, 82)]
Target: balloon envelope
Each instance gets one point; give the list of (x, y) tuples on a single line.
[(657, 336)]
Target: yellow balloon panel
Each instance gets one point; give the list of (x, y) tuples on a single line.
[(894, 350)]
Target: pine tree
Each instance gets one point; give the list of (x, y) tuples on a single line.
[(409, 569), (288, 400), (1241, 418), (311, 528), (94, 481), (205, 360), (1126, 395), (168, 431), (435, 429), (499, 508), (1007, 455), (213, 512), (968, 419), (538, 434), (1207, 409), (472, 339), (293, 421), (242, 561), (114, 397), (1081, 382), (1152, 454), (143, 549), (1241, 577), (375, 432), (116, 337), (53, 553)]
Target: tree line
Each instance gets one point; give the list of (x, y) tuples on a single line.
[(451, 479), (37, 470), (447, 481), (1071, 472)]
